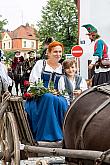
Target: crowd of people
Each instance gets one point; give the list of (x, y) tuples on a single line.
[(46, 113)]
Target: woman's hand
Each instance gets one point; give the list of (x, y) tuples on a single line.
[(77, 92)]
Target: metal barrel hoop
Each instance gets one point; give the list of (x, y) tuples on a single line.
[(103, 156)]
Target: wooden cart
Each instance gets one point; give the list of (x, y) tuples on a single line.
[(16, 138), (16, 132)]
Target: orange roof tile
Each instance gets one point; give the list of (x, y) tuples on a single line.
[(25, 32)]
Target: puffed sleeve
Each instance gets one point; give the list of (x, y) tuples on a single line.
[(36, 71), (98, 48), (61, 84)]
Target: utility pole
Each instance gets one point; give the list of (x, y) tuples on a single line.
[(22, 19)]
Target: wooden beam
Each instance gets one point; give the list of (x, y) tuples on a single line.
[(78, 154)]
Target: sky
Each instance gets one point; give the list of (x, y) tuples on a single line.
[(20, 12)]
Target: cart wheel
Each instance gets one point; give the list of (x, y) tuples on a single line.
[(10, 145)]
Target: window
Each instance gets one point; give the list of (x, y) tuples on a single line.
[(25, 44), (32, 44), (4, 45), (9, 45)]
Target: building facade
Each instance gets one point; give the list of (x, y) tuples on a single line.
[(23, 39)]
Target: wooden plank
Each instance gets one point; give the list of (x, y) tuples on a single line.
[(12, 110), (3, 109), (50, 144), (26, 126), (77, 154), (16, 98), (22, 120), (21, 117), (18, 118), (1, 155)]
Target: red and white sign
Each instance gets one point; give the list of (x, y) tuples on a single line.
[(77, 51)]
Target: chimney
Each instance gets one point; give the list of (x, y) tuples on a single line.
[(27, 24)]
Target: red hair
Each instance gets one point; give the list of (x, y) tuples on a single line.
[(54, 44)]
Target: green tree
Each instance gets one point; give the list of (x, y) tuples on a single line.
[(60, 21), (3, 22), (9, 55)]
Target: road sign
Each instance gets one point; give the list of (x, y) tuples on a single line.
[(77, 51), (68, 56)]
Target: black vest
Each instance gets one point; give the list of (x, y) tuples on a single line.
[(47, 77), (69, 87)]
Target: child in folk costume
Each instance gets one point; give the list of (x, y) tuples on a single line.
[(101, 73), (71, 82)]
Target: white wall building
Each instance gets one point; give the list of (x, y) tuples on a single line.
[(97, 13), (6, 42)]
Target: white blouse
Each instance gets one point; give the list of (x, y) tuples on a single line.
[(61, 86), (37, 70)]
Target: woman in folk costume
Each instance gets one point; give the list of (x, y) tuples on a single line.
[(46, 114), (101, 73)]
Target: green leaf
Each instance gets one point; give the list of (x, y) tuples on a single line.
[(60, 21), (37, 89)]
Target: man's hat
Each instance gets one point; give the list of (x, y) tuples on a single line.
[(90, 28), (17, 53)]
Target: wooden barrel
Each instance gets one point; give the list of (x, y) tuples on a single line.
[(87, 122)]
